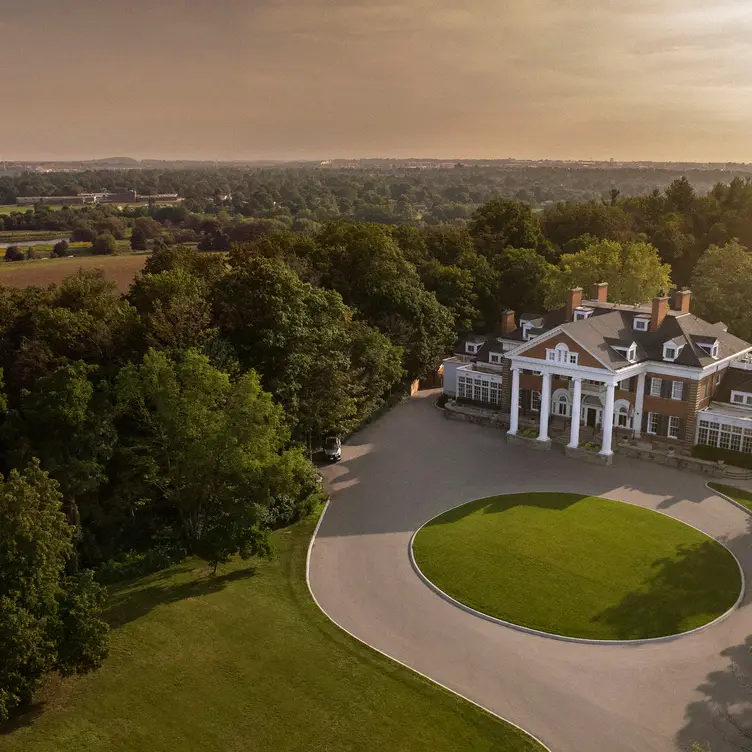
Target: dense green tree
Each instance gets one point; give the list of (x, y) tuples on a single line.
[(104, 245), (721, 285), (634, 271), (60, 249), (364, 264), (523, 282), (502, 223), (211, 452), (14, 253), (138, 240), (48, 621)]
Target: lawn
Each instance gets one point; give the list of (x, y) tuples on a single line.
[(739, 495), (246, 662), (578, 566), (120, 269)]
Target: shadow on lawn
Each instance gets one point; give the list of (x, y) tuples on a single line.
[(497, 504), (26, 718), (692, 583), (128, 603)]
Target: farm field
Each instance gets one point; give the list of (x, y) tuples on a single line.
[(43, 272)]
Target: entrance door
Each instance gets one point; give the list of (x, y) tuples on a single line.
[(591, 417)]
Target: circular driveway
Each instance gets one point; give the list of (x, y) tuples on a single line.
[(413, 464)]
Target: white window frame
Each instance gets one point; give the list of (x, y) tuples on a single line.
[(674, 427), (581, 315), (495, 358), (655, 381), (533, 395), (657, 417), (673, 349), (643, 324), (677, 390), (708, 349), (471, 348), (745, 398)]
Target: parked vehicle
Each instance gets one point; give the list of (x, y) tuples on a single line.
[(333, 448)]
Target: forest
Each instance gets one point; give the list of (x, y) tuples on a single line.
[(179, 419)]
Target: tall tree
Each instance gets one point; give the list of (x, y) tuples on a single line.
[(634, 271), (502, 223), (721, 285), (209, 452), (48, 621)]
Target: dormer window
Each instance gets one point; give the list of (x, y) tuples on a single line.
[(526, 327), (495, 358), (741, 398), (629, 352), (471, 348), (580, 314), (671, 351), (641, 325), (709, 348)]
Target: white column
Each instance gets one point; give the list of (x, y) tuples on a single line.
[(514, 414), (639, 399), (608, 420), (545, 407), (574, 428)]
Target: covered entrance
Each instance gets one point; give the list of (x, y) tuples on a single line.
[(591, 417)]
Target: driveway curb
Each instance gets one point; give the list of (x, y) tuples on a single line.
[(386, 655), (728, 498), (581, 640)]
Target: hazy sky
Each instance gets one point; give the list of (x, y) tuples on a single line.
[(246, 79)]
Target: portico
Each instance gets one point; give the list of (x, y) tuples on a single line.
[(603, 387)]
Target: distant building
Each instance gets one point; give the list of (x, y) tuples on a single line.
[(129, 197)]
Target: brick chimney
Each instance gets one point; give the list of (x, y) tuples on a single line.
[(507, 325), (574, 300), (681, 301), (600, 292), (660, 309)]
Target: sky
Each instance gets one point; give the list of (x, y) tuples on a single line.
[(316, 79)]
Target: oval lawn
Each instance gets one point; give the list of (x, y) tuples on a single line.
[(579, 566)]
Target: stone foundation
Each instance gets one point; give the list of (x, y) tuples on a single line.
[(589, 455), (529, 442)]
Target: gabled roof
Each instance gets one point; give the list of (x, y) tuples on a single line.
[(734, 380)]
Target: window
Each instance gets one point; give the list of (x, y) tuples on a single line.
[(632, 353), (671, 351), (561, 354), (718, 377), (622, 417), (581, 313), (494, 358), (653, 423), (535, 401), (704, 389), (471, 348), (674, 425), (655, 387), (709, 348), (561, 405), (677, 390), (742, 398), (641, 325)]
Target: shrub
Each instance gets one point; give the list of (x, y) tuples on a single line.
[(530, 433), (138, 239), (714, 454), (14, 253), (104, 245), (60, 250), (83, 234), (32, 253)]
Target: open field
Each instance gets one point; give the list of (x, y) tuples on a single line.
[(578, 566), (19, 236), (246, 661), (43, 272)]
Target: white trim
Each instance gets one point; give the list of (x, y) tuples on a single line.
[(681, 390), (395, 660), (669, 435), (648, 427), (565, 369), (653, 381), (746, 398)]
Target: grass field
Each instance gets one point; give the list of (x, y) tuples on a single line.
[(578, 566), (43, 272), (245, 662), (10, 208), (20, 236), (739, 495)]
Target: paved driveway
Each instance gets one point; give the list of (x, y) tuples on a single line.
[(413, 464)]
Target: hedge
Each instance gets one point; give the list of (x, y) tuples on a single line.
[(714, 454)]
